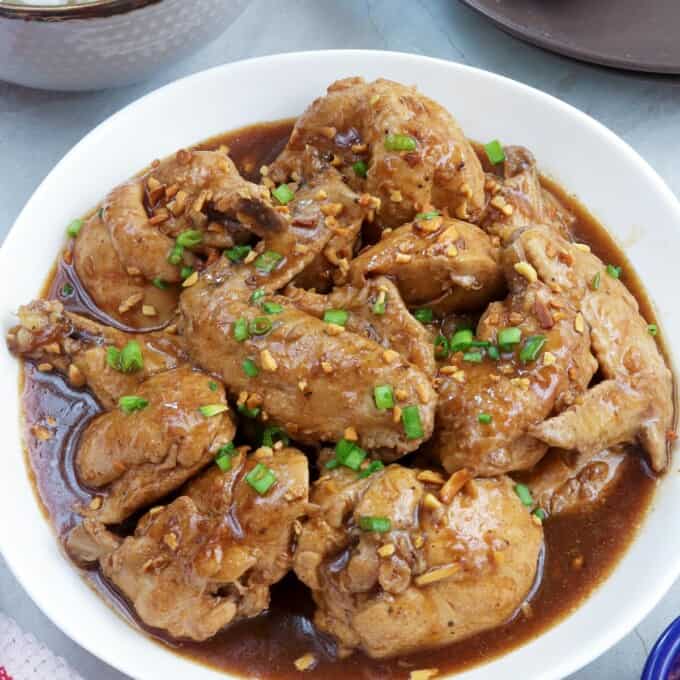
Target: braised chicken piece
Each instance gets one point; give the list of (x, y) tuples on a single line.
[(488, 404), (442, 263), (393, 143), (568, 481), (209, 557), (124, 295), (186, 202), (634, 401), (402, 560), (314, 378), (377, 312), (160, 436), (110, 362)]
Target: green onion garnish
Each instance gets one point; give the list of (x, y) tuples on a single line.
[(223, 457), (274, 434), (532, 346), (378, 524), (508, 337), (424, 315), (261, 478), (613, 271), (349, 454), (332, 464), (652, 329), (130, 403), (127, 360), (410, 418), (428, 215), (249, 368), (272, 308), (484, 418), (175, 255), (212, 386), (360, 169), (257, 296), (74, 228), (268, 261), (400, 143), (524, 494), (189, 238), (237, 253), (283, 194), (210, 410), (596, 281), (373, 467), (494, 152), (66, 290), (540, 513), (384, 396), (379, 307), (248, 412), (473, 357), (241, 330), (461, 340), (186, 272), (336, 316), (260, 325), (493, 352), (159, 283), (441, 347)]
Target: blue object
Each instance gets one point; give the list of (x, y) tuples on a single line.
[(665, 655)]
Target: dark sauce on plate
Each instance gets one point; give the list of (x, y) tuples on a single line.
[(267, 646)]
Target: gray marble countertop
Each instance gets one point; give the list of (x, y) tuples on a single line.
[(38, 128)]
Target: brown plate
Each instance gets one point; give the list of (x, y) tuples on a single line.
[(641, 35)]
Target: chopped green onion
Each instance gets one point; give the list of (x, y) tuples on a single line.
[(159, 283), (186, 272), (424, 315), (223, 457), (349, 454), (175, 255), (261, 478), (272, 308), (212, 386), (461, 340), (274, 434), (380, 525), (428, 215), (613, 271), (66, 290), (130, 403), (508, 337), (360, 169), (332, 464), (237, 253), (249, 368), (283, 194), (473, 357), (493, 352), (210, 410), (189, 238), (74, 228), (248, 412), (400, 143), (596, 281), (524, 494), (268, 261), (127, 360), (384, 396), (336, 316), (410, 418), (441, 347), (373, 467), (540, 513), (379, 307), (260, 325), (113, 357), (484, 418), (494, 152), (652, 329), (257, 296), (532, 346), (241, 330), (480, 343)]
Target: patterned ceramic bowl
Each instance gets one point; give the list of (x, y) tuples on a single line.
[(94, 44)]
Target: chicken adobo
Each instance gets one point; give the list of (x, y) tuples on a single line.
[(350, 396)]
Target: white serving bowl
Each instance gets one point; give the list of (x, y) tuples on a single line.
[(103, 43), (605, 173)]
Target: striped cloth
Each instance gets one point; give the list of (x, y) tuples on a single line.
[(22, 657)]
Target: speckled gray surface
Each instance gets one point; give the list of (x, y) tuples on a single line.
[(37, 128)]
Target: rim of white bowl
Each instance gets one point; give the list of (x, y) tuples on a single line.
[(619, 628)]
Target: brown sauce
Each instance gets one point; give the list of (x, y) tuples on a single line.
[(267, 645)]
